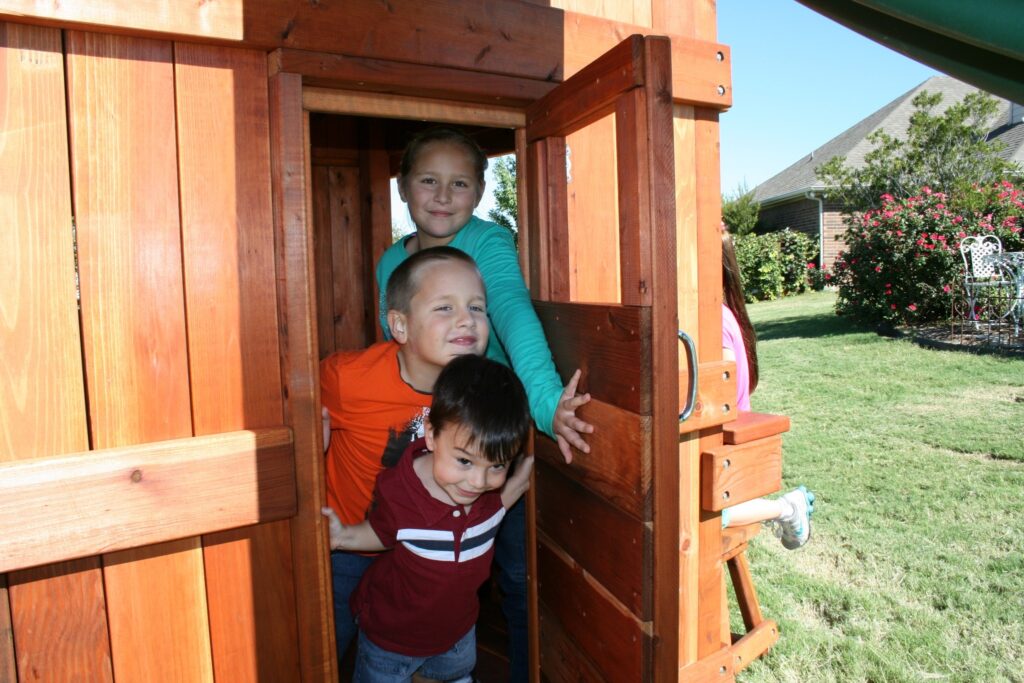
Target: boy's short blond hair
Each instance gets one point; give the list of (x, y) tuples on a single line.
[(405, 281)]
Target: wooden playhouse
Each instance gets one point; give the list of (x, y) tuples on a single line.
[(193, 195)]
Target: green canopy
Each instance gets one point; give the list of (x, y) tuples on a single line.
[(980, 42)]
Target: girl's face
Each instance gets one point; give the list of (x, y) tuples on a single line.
[(441, 190)]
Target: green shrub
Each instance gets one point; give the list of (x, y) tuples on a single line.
[(775, 264), (902, 262)]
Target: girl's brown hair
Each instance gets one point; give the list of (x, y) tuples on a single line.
[(732, 291)]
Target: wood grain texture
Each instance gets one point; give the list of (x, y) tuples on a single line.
[(219, 19), (228, 243), (618, 465), (750, 426), (734, 474), (131, 496), (716, 395), (362, 103), (348, 296), (124, 162), (593, 214), (572, 517), (323, 248), (613, 639), (610, 343), (43, 397), (375, 189), (634, 185), (323, 69), (560, 658), (293, 238), (589, 94)]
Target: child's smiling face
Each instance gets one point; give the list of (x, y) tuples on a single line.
[(459, 468), (442, 189)]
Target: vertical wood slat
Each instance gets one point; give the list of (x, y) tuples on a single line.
[(375, 187), (352, 285), (121, 112), (323, 247), (290, 170), (635, 225), (557, 205), (228, 243), (657, 159), (43, 401)]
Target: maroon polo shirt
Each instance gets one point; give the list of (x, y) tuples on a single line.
[(420, 598)]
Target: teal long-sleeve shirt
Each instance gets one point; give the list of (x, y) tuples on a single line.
[(517, 338)]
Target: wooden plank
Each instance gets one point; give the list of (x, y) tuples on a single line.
[(614, 640), (560, 658), (657, 164), (593, 213), (293, 238), (348, 294), (610, 343), (43, 399), (699, 66), (361, 103), (323, 247), (746, 594), (734, 474), (634, 190), (126, 497), (375, 188), (754, 644), (533, 240), (228, 243), (219, 19), (735, 538), (752, 426), (8, 663), (590, 94), (723, 664), (572, 517), (326, 70), (716, 395), (618, 465), (556, 203), (122, 126)]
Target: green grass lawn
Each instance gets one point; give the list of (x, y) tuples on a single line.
[(915, 570)]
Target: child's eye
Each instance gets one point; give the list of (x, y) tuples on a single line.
[(465, 462), (427, 181), (498, 468), (461, 183), (477, 308), (443, 307)]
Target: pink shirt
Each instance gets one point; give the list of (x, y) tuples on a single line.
[(732, 339)]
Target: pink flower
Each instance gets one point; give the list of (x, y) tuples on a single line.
[(945, 288), (828, 276), (912, 307), (892, 306), (899, 233), (811, 265), (878, 269), (926, 190)]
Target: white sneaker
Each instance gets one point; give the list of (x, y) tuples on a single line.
[(794, 529)]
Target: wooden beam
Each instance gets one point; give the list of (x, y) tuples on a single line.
[(361, 103), (327, 70), (220, 19), (54, 509)]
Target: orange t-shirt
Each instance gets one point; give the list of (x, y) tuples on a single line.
[(374, 416)]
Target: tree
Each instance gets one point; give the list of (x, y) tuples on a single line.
[(945, 152), (505, 213), (740, 210)]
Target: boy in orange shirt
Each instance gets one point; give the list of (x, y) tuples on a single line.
[(377, 399)]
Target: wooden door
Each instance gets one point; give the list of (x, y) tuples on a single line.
[(606, 550)]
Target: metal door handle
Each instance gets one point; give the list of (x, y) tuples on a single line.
[(691, 357)]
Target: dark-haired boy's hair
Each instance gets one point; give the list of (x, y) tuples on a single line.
[(443, 134), (486, 399), (405, 281)]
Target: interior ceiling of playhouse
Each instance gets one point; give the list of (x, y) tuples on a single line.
[(979, 43)]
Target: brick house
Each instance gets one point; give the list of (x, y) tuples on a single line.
[(795, 197)]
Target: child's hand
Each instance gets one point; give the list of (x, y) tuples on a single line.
[(326, 418), (335, 527), (519, 482), (567, 426)]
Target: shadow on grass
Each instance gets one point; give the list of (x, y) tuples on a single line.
[(808, 327)]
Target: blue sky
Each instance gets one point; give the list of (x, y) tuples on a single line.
[(799, 79)]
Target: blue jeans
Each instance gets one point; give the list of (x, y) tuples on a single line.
[(377, 665), (510, 554), (346, 570)]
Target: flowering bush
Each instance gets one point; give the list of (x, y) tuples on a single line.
[(775, 264), (902, 263)]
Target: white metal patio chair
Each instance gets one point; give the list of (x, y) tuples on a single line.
[(984, 271)]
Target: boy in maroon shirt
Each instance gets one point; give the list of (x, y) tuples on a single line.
[(438, 510)]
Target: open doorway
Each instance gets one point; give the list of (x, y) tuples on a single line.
[(353, 163)]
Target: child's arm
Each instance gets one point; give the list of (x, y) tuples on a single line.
[(518, 483), (353, 537), (519, 330), (325, 417)]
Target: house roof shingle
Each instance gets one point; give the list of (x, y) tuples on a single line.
[(893, 118)]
